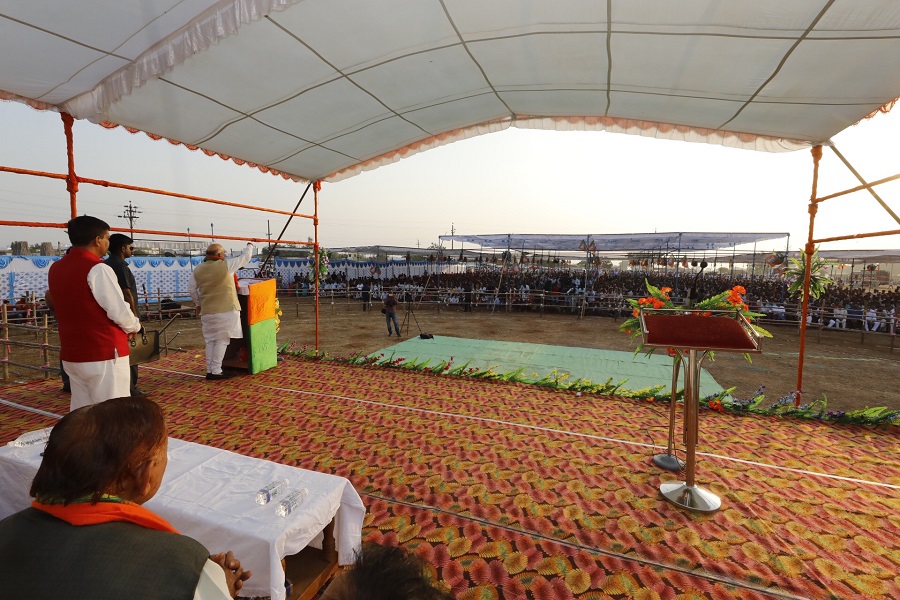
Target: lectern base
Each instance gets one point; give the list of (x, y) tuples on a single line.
[(690, 497), (669, 462)]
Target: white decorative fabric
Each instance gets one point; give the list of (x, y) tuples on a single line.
[(321, 89)]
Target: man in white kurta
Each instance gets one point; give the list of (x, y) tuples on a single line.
[(212, 287)]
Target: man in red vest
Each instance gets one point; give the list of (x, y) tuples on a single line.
[(93, 318)]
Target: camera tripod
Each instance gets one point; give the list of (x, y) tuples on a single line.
[(410, 311)]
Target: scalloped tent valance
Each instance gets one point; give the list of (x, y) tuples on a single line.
[(321, 90)]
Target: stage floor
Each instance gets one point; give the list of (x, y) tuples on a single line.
[(516, 491)]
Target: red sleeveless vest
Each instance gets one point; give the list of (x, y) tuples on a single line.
[(86, 334)]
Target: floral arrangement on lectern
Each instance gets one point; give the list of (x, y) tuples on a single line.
[(729, 300)]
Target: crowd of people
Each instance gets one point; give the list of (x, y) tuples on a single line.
[(605, 293)]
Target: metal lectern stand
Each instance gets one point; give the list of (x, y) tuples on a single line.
[(693, 334)]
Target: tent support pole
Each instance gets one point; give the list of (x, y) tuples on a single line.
[(71, 178), (810, 249), (316, 187)]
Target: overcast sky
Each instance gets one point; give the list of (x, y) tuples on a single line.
[(516, 181)]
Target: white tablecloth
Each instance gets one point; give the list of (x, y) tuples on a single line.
[(210, 495)]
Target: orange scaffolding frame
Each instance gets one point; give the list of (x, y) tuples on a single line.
[(811, 242), (73, 180)]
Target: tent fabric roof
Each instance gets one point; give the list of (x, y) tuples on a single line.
[(323, 89), (615, 242)]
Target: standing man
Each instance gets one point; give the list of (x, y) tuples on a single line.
[(120, 248), (390, 313), (93, 318), (214, 291), (366, 295)]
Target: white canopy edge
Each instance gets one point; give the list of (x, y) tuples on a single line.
[(662, 131)]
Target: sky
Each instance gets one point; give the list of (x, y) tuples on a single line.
[(515, 181)]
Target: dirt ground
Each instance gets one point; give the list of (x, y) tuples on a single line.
[(850, 371)]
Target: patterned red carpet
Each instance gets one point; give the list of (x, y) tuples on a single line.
[(515, 491)]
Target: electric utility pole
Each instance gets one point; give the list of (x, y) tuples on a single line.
[(131, 213)]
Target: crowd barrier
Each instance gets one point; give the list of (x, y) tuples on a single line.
[(33, 319)]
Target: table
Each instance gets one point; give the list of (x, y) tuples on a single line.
[(210, 495)]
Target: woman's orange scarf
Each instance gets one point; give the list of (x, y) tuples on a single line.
[(85, 513)]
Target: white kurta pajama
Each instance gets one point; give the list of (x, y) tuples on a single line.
[(219, 327)]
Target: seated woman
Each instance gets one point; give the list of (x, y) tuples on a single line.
[(86, 534)]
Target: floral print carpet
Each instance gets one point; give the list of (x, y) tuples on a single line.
[(518, 491)]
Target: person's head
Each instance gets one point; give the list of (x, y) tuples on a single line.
[(89, 233), (115, 447), (385, 573), (215, 251), (121, 245)]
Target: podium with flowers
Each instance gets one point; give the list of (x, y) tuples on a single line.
[(258, 349), (693, 334)]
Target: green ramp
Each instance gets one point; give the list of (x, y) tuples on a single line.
[(539, 360)]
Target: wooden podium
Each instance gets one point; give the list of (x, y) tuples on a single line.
[(258, 349), (693, 334)]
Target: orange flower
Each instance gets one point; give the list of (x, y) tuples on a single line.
[(739, 289), (666, 290), (628, 331), (744, 306), (706, 314), (671, 351), (658, 303), (636, 312)]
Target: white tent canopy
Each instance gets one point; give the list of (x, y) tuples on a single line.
[(323, 89), (615, 242)]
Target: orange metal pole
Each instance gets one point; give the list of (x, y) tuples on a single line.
[(810, 249), (35, 173), (134, 188), (34, 224), (71, 178), (858, 236), (316, 187), (200, 235), (858, 188)]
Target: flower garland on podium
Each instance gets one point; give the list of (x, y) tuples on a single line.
[(658, 299)]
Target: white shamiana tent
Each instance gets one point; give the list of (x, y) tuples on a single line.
[(321, 90), (614, 242)]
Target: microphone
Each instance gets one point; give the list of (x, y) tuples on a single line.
[(693, 288)]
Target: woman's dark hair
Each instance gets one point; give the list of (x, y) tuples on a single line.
[(83, 229), (93, 450), (390, 573)]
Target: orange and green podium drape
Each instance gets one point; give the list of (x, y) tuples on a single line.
[(261, 322)]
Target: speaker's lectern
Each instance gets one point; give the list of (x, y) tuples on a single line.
[(693, 334)]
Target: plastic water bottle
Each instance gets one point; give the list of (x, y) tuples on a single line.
[(32, 438), (291, 502), (276, 488)]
